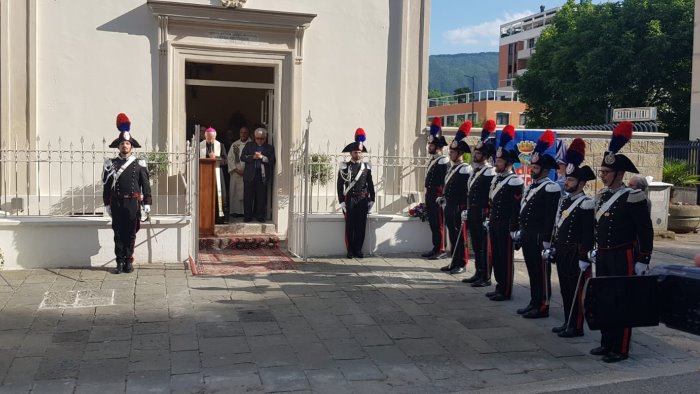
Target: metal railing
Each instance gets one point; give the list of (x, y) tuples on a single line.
[(482, 95), (65, 178), (398, 183), (687, 152)]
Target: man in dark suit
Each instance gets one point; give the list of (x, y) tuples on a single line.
[(260, 163)]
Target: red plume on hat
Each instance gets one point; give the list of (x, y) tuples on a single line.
[(507, 135), (436, 126), (576, 152), (123, 122), (621, 135), (488, 129), (545, 141), (463, 131)]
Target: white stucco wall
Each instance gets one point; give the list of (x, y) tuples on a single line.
[(96, 58), (41, 242)]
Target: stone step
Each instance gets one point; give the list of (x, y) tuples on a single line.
[(241, 241), (240, 228)]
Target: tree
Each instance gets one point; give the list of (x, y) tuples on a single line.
[(635, 53), (462, 91), (435, 93)]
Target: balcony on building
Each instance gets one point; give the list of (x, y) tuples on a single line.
[(528, 23)]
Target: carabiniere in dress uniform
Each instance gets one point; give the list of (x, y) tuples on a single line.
[(537, 210), (504, 196), (355, 194), (573, 240), (624, 233), (434, 185), (478, 204), (126, 186)]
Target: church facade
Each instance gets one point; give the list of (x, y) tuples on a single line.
[(68, 67)]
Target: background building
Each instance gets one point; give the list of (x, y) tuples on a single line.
[(517, 44)]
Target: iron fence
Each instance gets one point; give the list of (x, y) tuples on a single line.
[(398, 183), (65, 178)]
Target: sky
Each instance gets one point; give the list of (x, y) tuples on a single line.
[(469, 26)]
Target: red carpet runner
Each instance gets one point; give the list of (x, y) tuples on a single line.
[(241, 255)]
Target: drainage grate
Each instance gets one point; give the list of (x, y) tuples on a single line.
[(77, 299)]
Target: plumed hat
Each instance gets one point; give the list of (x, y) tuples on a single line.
[(435, 137), (540, 158), (460, 141), (574, 157), (487, 141), (622, 134), (360, 137), (124, 125), (507, 135)]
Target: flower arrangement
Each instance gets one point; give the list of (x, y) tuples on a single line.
[(419, 211)]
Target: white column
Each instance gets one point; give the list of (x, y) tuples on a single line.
[(695, 81)]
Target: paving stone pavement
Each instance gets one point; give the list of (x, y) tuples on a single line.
[(380, 324)]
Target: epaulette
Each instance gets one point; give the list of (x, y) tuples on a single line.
[(142, 163), (368, 165), (516, 181), (467, 169), (491, 171), (443, 160), (587, 204), (552, 188), (344, 165), (636, 195), (108, 165)]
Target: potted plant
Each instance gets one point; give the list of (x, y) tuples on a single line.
[(158, 163), (321, 169), (682, 217)]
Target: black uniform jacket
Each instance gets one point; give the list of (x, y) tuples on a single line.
[(456, 184), (539, 207), (505, 201), (348, 174), (435, 175), (577, 225), (134, 179)]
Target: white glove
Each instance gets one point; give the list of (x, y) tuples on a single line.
[(370, 204), (147, 208), (108, 209), (515, 235), (546, 245), (342, 206), (486, 224), (464, 216), (583, 265), (641, 268), (441, 201)]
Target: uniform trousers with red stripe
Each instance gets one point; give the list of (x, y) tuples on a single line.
[(457, 232), (616, 262), (502, 257), (125, 223), (569, 272), (538, 270), (435, 220), (479, 238), (356, 210)]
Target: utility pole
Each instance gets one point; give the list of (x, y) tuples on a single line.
[(472, 98)]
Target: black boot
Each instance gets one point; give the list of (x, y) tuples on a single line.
[(128, 266), (474, 278), (527, 309), (120, 268), (559, 329), (482, 283), (570, 333), (613, 357), (429, 254)]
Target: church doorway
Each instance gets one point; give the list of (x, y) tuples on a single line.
[(228, 97)]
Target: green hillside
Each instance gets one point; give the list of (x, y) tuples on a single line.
[(447, 71)]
